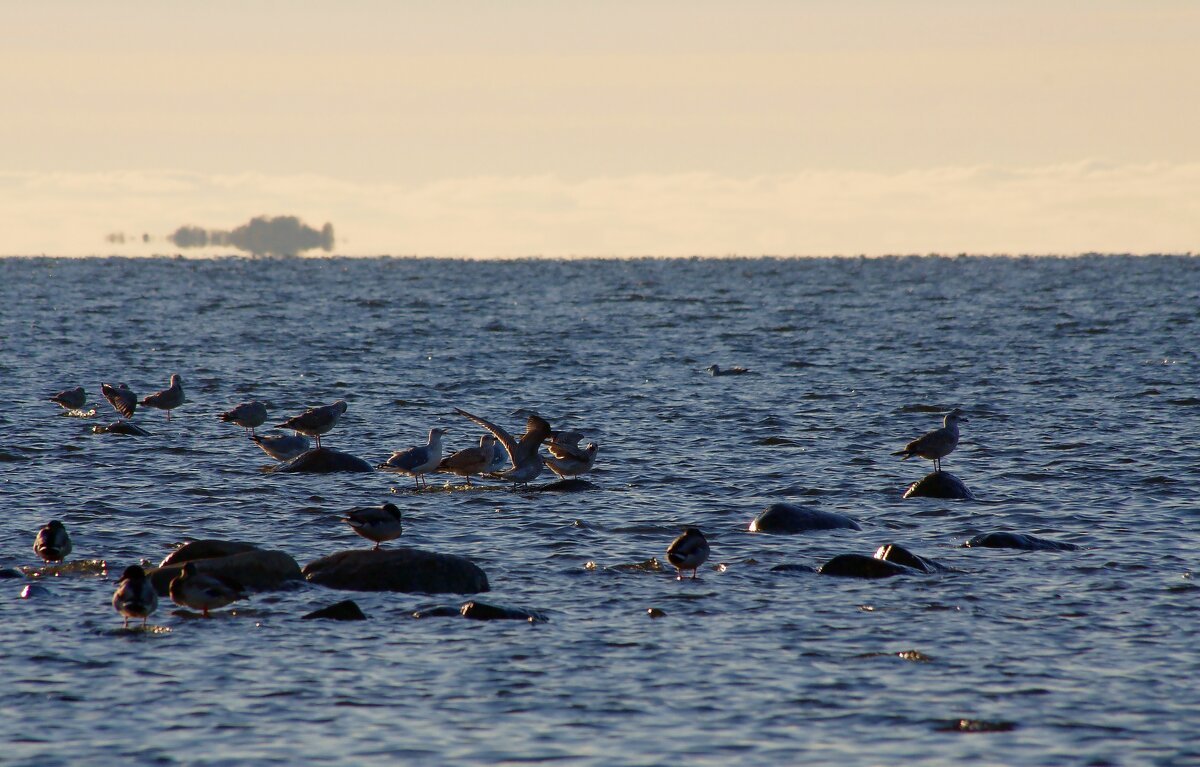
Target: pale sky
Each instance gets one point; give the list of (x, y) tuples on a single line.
[(525, 127)]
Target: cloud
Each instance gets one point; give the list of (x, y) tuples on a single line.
[(1067, 208)]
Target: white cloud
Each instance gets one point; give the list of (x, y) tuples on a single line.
[(1070, 208)]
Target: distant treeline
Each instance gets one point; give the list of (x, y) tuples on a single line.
[(262, 236)]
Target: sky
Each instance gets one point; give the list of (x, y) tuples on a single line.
[(564, 128)]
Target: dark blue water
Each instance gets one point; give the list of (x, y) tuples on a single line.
[(1079, 377)]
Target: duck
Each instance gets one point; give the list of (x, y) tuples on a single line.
[(376, 523), (199, 591), (688, 552), (135, 596), (52, 543)]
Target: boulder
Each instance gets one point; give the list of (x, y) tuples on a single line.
[(346, 610), (893, 552), (255, 570), (789, 518), (206, 549), (323, 460), (439, 611), (939, 484), (788, 567), (1017, 541), (399, 569), (862, 566), (572, 485)]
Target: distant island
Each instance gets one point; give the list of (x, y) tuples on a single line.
[(262, 236)]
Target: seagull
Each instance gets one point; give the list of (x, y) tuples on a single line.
[(135, 596), (570, 460), (417, 461), (281, 447), (168, 399), (52, 543), (248, 415), (376, 523), (715, 370), (523, 452), (202, 592), (71, 399), (121, 397), (688, 551), (472, 460), (316, 420), (938, 443)]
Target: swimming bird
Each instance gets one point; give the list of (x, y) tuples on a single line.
[(938, 443), (376, 523), (168, 399), (281, 447), (248, 415), (135, 596), (70, 399), (316, 420), (471, 460), (52, 543), (571, 463), (716, 370), (418, 461), (688, 551), (523, 452), (199, 591), (121, 397)]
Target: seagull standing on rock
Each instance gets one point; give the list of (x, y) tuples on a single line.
[(169, 398), (938, 443), (471, 460), (417, 461), (248, 415), (316, 420), (523, 452), (281, 447), (567, 458)]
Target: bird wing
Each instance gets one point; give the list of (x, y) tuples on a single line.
[(505, 439)]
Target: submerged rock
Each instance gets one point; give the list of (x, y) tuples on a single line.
[(323, 460), (789, 518), (899, 555), (256, 570), (206, 549), (121, 427), (439, 611), (346, 610), (567, 486), (1017, 541), (482, 611), (861, 566), (939, 484), (792, 568), (400, 569)]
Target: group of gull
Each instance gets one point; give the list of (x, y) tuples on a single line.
[(135, 597)]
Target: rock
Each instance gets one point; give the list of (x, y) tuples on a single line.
[(206, 549), (788, 518), (34, 591), (861, 566), (255, 570), (567, 486), (898, 554), (323, 460), (11, 572), (792, 568), (655, 612), (399, 569), (1017, 541), (346, 610), (121, 427), (939, 484), (482, 611), (439, 611)]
